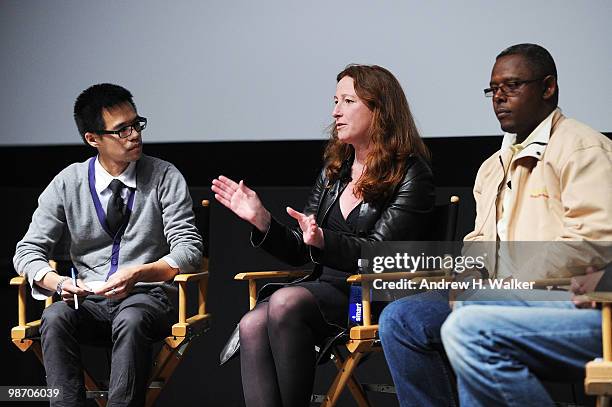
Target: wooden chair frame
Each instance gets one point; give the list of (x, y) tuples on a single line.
[(26, 334), (362, 338)]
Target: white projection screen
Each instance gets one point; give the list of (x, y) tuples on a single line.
[(243, 70)]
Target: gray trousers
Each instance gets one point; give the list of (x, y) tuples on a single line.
[(130, 326)]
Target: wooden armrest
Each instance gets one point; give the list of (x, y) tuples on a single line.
[(359, 278), (201, 319), (24, 329), (191, 277), (363, 332), (600, 296), (193, 323), (18, 281), (597, 379), (28, 330), (253, 276), (184, 323), (257, 275)]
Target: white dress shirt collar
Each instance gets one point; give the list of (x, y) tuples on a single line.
[(103, 178), (535, 144)]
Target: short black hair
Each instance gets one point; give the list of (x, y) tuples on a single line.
[(90, 103), (538, 58)]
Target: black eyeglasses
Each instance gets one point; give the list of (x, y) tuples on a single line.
[(126, 131), (508, 88)]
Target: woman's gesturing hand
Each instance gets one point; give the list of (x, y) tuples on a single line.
[(312, 234), (241, 200)]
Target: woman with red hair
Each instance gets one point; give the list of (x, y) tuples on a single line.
[(376, 185)]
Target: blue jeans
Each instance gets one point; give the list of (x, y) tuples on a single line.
[(409, 330), (501, 349)]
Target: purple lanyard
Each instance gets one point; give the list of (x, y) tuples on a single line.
[(102, 216)]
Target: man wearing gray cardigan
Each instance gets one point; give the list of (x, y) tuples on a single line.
[(129, 220)]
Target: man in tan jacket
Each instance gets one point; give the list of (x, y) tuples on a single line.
[(550, 183), (544, 207)]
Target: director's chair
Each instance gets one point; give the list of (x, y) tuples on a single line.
[(363, 339), (598, 379)]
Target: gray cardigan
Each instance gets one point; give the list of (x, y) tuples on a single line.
[(162, 223)]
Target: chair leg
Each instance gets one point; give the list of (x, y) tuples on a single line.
[(603, 401), (165, 364), (344, 374), (92, 385), (355, 388)]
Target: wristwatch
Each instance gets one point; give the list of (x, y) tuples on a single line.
[(58, 288)]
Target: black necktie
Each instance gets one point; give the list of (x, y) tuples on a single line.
[(115, 210)]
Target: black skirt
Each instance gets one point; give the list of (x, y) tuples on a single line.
[(332, 295)]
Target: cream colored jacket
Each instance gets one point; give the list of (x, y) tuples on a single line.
[(562, 196)]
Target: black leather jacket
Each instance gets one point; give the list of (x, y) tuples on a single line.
[(404, 216)]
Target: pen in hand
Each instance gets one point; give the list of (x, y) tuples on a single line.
[(74, 281)]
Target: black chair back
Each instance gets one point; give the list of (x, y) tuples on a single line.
[(202, 219), (444, 221)]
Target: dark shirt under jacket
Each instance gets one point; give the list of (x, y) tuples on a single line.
[(403, 216)]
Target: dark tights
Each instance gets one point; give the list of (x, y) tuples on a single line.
[(277, 356)]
